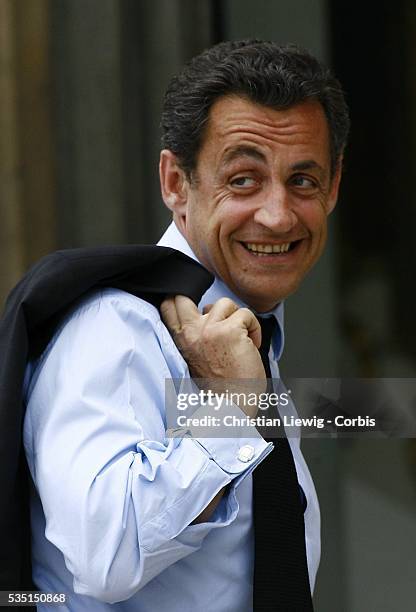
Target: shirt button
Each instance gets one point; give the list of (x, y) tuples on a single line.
[(246, 453)]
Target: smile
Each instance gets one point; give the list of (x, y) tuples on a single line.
[(268, 249)]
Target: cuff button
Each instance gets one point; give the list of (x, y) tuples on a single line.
[(246, 453)]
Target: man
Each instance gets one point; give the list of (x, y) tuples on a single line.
[(123, 512)]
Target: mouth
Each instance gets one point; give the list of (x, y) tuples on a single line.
[(267, 249)]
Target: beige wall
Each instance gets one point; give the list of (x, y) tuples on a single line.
[(27, 226), (81, 85)]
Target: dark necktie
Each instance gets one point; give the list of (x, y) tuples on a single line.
[(281, 582)]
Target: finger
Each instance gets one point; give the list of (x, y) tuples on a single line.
[(186, 310), (222, 309), (247, 319), (207, 308), (169, 314)]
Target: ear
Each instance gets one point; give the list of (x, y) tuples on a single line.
[(173, 184), (334, 187)]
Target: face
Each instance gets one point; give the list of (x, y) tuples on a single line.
[(255, 213)]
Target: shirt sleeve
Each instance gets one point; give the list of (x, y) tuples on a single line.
[(118, 495)]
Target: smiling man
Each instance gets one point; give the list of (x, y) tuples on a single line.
[(125, 516), (255, 209)]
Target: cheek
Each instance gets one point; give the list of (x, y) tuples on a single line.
[(207, 206), (313, 216), (233, 214)]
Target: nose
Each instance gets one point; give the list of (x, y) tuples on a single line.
[(276, 212)]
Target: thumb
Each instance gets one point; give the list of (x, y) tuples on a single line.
[(176, 311)]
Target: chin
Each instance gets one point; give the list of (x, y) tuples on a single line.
[(262, 303), (271, 297)]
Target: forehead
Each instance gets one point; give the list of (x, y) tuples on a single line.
[(236, 123)]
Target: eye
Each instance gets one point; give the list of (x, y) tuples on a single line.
[(304, 182), (243, 182)]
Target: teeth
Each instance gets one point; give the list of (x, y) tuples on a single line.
[(268, 248)]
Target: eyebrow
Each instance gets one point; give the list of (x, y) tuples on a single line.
[(309, 164), (253, 153), (242, 151)]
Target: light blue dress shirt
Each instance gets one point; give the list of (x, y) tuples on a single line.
[(113, 497)]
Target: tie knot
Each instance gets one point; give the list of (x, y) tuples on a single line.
[(268, 326)]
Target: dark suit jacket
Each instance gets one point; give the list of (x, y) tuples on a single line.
[(33, 310)]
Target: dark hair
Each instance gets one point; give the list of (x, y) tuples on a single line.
[(264, 72)]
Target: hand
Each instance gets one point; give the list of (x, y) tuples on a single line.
[(220, 345)]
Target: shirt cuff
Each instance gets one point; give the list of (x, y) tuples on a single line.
[(237, 448), (231, 443), (235, 459)]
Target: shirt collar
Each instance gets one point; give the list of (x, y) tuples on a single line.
[(174, 239)]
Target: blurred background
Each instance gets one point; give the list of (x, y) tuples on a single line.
[(81, 85)]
